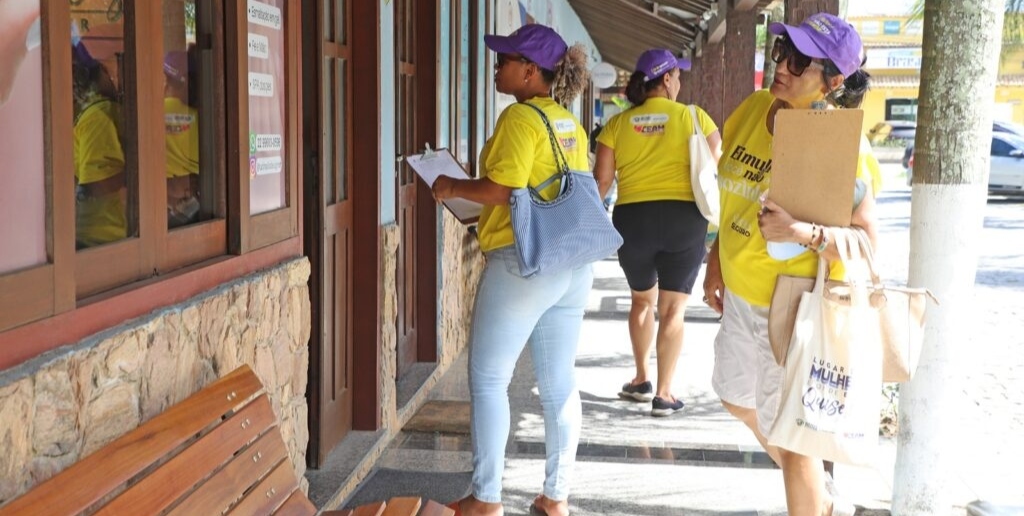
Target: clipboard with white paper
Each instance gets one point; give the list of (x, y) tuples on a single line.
[(815, 153), (432, 164)]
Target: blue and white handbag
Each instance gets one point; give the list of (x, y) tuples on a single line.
[(566, 232)]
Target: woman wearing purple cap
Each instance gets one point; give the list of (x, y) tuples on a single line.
[(819, 60), (534, 65), (648, 145)]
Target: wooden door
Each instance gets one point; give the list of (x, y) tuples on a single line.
[(407, 141), (327, 122)]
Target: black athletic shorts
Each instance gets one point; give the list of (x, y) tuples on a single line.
[(663, 244)]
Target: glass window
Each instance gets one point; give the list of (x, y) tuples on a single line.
[(1001, 148), (23, 198), (188, 96), (104, 207), (267, 105)]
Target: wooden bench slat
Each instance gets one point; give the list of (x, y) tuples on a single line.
[(370, 509), (84, 483), (270, 493), (432, 508), (225, 487), (403, 506), (296, 505), (181, 474)]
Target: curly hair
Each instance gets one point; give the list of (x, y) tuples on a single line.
[(570, 76)]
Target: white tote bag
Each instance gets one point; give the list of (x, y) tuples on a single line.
[(703, 173), (830, 396)]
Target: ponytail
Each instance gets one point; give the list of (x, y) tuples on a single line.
[(570, 76), (637, 88), (851, 93)]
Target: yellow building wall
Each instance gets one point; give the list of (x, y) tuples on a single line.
[(1009, 97)]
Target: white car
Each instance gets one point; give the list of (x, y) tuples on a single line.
[(1006, 171), (1006, 175)]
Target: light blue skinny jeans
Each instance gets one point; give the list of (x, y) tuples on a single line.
[(510, 310)]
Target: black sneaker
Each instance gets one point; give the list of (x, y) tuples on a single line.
[(641, 392), (660, 407)]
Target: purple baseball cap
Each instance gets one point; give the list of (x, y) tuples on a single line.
[(824, 36), (657, 62), (536, 42), (176, 65)]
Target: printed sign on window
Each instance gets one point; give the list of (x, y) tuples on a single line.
[(268, 156)]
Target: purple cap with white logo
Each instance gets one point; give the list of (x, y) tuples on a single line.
[(176, 65), (538, 43), (824, 36), (657, 62)]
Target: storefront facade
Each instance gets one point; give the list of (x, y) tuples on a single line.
[(198, 184)]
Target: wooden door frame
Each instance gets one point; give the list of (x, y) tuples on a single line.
[(428, 25), (366, 177)]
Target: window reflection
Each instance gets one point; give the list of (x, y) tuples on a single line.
[(99, 157), (181, 125)]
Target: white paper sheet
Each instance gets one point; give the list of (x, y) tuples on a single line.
[(433, 164)]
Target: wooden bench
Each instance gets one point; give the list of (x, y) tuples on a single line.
[(399, 506), (218, 452)]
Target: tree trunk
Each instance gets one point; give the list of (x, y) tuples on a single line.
[(962, 40)]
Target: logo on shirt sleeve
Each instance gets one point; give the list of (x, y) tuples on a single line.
[(651, 124)]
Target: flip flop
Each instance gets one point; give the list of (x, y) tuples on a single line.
[(455, 507)]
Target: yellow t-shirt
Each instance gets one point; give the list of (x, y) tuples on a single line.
[(743, 175), (181, 125), (652, 150), (98, 155), (519, 153), (97, 145)]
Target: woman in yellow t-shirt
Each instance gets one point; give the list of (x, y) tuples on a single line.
[(663, 232), (533, 63), (818, 61), (99, 158)]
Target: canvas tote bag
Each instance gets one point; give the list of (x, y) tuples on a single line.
[(901, 313), (703, 173), (830, 392), (566, 232)]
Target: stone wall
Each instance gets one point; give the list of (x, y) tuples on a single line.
[(391, 235), (69, 403), (461, 266)]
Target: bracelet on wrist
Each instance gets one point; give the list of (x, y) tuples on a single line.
[(824, 242)]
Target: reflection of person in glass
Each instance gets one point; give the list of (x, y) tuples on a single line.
[(16, 37), (99, 157), (181, 124)]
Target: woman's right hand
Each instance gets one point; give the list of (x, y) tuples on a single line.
[(714, 285)]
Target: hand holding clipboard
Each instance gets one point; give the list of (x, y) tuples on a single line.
[(432, 164)]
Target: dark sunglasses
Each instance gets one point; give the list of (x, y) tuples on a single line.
[(507, 58), (796, 62)]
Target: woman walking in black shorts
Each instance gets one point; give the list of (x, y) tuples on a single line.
[(662, 229)]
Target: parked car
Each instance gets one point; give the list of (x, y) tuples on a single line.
[(1006, 169), (892, 130), (998, 126)]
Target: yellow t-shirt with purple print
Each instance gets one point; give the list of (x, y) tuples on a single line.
[(652, 150), (744, 173), (519, 154)]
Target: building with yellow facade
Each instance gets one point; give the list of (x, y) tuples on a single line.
[(893, 46)]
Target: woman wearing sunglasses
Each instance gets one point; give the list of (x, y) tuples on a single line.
[(819, 60), (648, 145), (536, 67)]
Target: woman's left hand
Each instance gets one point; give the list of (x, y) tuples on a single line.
[(776, 224), (443, 188)]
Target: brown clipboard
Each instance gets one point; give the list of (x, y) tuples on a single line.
[(814, 163)]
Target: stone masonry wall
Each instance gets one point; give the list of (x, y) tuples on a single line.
[(390, 237), (67, 404), (461, 266)]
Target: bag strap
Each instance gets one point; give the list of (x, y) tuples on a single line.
[(696, 123), (561, 163)]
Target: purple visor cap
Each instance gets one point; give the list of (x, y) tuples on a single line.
[(176, 65), (657, 62), (536, 42), (824, 36)]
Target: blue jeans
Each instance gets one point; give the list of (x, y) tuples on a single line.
[(510, 310)]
